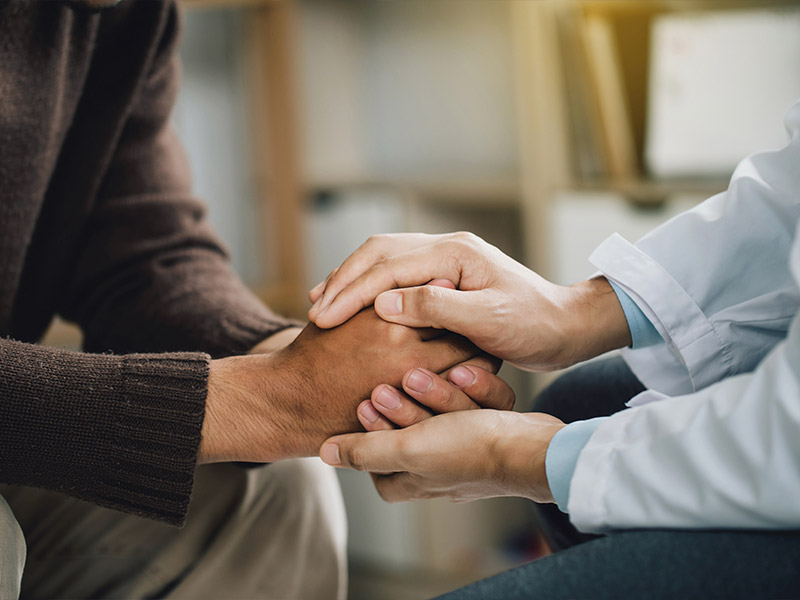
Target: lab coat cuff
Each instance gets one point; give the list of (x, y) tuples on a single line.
[(689, 334)]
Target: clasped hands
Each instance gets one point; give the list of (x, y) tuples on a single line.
[(443, 307), (458, 282)]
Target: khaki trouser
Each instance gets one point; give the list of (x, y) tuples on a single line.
[(276, 532)]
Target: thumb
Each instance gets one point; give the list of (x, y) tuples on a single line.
[(374, 451), (430, 306)]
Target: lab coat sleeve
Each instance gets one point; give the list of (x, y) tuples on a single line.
[(727, 456), (715, 281)]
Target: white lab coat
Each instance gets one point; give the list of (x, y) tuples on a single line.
[(720, 448)]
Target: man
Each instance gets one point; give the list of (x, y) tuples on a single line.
[(97, 224), (696, 480)]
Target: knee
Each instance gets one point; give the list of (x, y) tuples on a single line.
[(301, 478), (305, 489)]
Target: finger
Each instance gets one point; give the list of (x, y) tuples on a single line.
[(411, 268), (442, 353), (375, 249), (429, 333), (396, 407), (316, 292), (315, 295), (445, 283), (482, 387), (436, 393), (431, 306), (375, 451), (371, 419), (484, 361)]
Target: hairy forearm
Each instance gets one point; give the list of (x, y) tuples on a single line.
[(246, 413)]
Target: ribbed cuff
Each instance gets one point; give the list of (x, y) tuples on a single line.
[(118, 431)]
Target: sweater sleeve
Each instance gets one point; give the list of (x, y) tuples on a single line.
[(151, 276), (138, 449)]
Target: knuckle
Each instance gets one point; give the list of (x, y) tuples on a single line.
[(356, 458), (495, 392), (467, 241), (411, 415), (507, 399), (448, 399), (422, 298), (397, 335), (465, 236)]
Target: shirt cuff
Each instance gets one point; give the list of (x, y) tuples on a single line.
[(643, 332), (562, 457)]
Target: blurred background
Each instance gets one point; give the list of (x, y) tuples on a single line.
[(541, 125)]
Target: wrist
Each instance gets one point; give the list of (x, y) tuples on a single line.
[(521, 453), (596, 321), (242, 420)]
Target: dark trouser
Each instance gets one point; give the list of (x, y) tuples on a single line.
[(639, 564)]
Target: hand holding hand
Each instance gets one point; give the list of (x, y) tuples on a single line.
[(468, 386), (505, 308), (269, 406), (462, 456)]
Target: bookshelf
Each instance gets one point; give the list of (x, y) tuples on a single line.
[(582, 84)]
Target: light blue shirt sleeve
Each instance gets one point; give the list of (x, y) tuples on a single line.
[(567, 444), (643, 332), (562, 456)]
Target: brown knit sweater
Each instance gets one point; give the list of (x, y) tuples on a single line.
[(98, 224)]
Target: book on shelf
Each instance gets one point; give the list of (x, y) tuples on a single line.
[(609, 90), (587, 139)]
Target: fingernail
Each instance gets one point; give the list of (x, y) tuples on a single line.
[(369, 413), (329, 453), (462, 377), (419, 381), (388, 398), (389, 303)]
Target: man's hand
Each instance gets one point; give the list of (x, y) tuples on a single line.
[(284, 404), (503, 307), (469, 386), (462, 456)]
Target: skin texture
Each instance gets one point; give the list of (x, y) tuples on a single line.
[(506, 309), (461, 456), (264, 407), (469, 386)]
